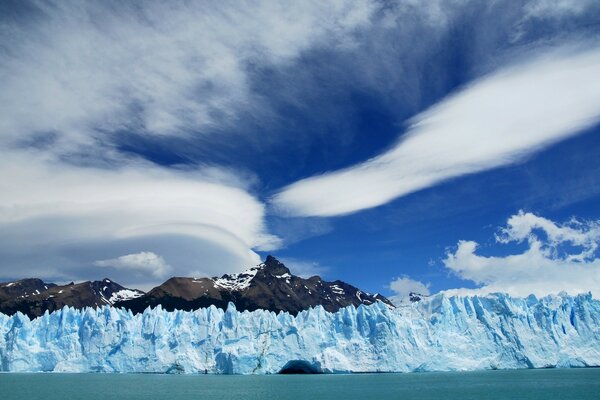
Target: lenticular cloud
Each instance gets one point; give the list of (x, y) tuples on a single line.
[(495, 121)]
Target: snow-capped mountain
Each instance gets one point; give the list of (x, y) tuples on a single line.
[(33, 296), (269, 286), (438, 333)]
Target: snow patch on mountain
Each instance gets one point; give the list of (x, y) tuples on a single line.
[(239, 281), (125, 294), (337, 290)]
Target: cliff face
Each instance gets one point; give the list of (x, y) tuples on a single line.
[(435, 334)]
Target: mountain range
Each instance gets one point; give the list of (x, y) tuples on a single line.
[(269, 286)]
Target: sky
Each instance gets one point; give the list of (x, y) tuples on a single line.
[(396, 145)]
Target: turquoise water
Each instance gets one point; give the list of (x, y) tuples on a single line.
[(563, 384)]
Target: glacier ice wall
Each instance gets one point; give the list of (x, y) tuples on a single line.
[(440, 333)]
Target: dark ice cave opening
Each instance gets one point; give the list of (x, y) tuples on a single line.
[(300, 367)]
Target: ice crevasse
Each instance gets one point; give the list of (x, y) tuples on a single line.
[(440, 333)]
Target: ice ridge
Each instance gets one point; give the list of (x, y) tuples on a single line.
[(439, 333)]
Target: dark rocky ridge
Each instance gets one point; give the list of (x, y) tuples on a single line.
[(22, 288), (269, 286), (33, 297)]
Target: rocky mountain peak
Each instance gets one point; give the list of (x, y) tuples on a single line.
[(274, 266), (269, 286)]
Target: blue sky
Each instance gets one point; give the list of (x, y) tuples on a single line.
[(369, 141)]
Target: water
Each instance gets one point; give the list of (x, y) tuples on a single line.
[(547, 384)]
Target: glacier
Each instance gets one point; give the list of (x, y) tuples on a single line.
[(440, 333)]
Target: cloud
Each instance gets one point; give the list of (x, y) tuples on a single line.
[(559, 257), (77, 77), (303, 268), (402, 287), (497, 120), (75, 215), (584, 235), (82, 69), (293, 230), (556, 8), (145, 261)]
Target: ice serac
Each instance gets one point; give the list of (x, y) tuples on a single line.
[(435, 334)]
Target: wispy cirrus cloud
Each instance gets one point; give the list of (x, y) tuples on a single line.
[(495, 121), (85, 69)]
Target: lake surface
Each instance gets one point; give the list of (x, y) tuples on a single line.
[(545, 384)]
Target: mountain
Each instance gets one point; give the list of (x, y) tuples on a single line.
[(22, 288), (33, 296), (269, 286), (437, 333)]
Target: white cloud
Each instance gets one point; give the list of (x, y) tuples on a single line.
[(303, 268), (556, 8), (49, 207), (83, 70), (77, 69), (145, 261), (402, 287), (497, 120), (560, 257), (524, 225), (80, 71)]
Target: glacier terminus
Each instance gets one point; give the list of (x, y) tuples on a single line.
[(440, 333)]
